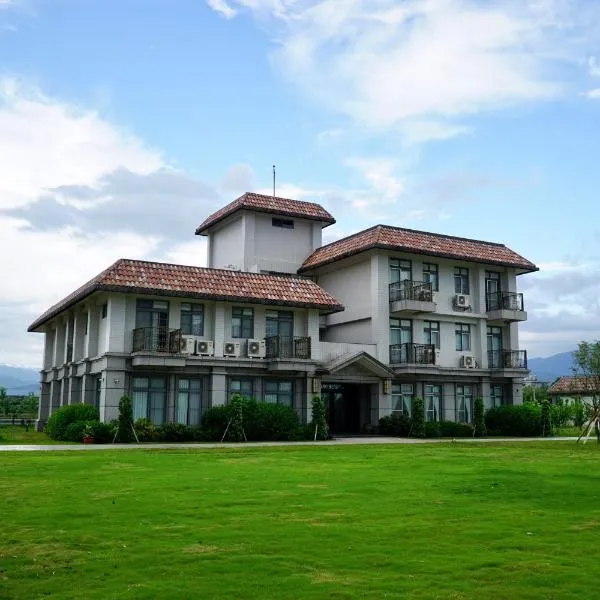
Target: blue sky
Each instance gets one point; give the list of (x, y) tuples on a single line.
[(123, 124)]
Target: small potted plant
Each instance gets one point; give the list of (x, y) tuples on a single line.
[(88, 434)]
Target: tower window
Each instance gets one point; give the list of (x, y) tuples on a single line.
[(283, 223)]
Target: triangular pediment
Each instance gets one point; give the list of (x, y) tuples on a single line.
[(358, 364)]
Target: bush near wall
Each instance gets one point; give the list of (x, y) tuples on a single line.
[(395, 425), (523, 420), (59, 421)]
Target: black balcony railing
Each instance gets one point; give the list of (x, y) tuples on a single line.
[(278, 346), (411, 290), (507, 359), (504, 301), (418, 354), (157, 339)]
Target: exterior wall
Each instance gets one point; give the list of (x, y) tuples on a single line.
[(226, 244)]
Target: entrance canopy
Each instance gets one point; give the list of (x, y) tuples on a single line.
[(359, 363)]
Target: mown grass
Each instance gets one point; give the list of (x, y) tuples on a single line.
[(339, 522), (15, 434)]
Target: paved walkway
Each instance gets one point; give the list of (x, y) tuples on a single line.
[(341, 441)]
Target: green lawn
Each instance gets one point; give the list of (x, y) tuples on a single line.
[(454, 521), (15, 434)]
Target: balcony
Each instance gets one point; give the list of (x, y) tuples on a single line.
[(411, 297), (507, 359), (278, 346), (412, 354), (157, 339), (505, 306)]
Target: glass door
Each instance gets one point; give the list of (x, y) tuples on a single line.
[(494, 347)]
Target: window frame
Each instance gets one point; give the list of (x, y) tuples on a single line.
[(282, 223), (430, 414), (243, 324), (468, 410), (278, 393), (462, 281), (241, 380), (399, 266), (194, 310), (462, 332), (149, 401), (401, 327), (403, 393), (428, 330), (191, 410), (494, 396), (430, 269)]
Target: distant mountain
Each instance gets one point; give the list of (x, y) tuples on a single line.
[(550, 368), (19, 381)]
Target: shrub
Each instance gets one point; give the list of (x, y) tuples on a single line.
[(174, 432), (125, 431), (261, 421), (74, 431), (319, 420), (145, 430), (479, 419), (562, 413), (514, 420), (396, 424), (579, 413), (545, 419), (455, 430), (432, 429), (418, 418), (236, 431), (103, 433), (58, 422)]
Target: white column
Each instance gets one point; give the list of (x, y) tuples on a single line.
[(113, 388), (219, 328)]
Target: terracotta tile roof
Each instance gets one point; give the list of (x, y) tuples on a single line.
[(141, 277), (578, 384), (417, 242), (269, 204)]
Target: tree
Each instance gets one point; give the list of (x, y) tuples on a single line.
[(478, 419), (125, 431), (418, 418), (4, 402), (586, 361), (319, 419)]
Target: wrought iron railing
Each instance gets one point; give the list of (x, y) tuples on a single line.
[(278, 346), (411, 290), (418, 354), (507, 359), (504, 301), (157, 339)]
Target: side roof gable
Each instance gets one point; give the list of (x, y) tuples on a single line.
[(417, 242), (142, 277)]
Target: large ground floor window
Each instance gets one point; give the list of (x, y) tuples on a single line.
[(279, 392), (402, 397), (189, 401), (149, 399), (464, 403), (242, 386), (433, 402), (497, 397)]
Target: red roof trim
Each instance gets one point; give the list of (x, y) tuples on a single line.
[(271, 205)]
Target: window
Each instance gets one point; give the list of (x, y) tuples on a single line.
[(242, 322), (492, 289), (400, 270), (189, 401), (283, 223), (432, 333), (192, 319), (104, 310), (402, 397), (279, 392), (430, 275), (496, 395), (151, 313), (433, 402), (149, 399), (400, 331), (98, 392), (461, 280), (494, 347), (463, 336), (464, 403), (244, 387)]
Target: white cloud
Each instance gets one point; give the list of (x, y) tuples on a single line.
[(222, 8), (426, 62), (593, 66), (380, 173), (593, 94)]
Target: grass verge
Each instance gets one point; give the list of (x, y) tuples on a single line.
[(500, 521)]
